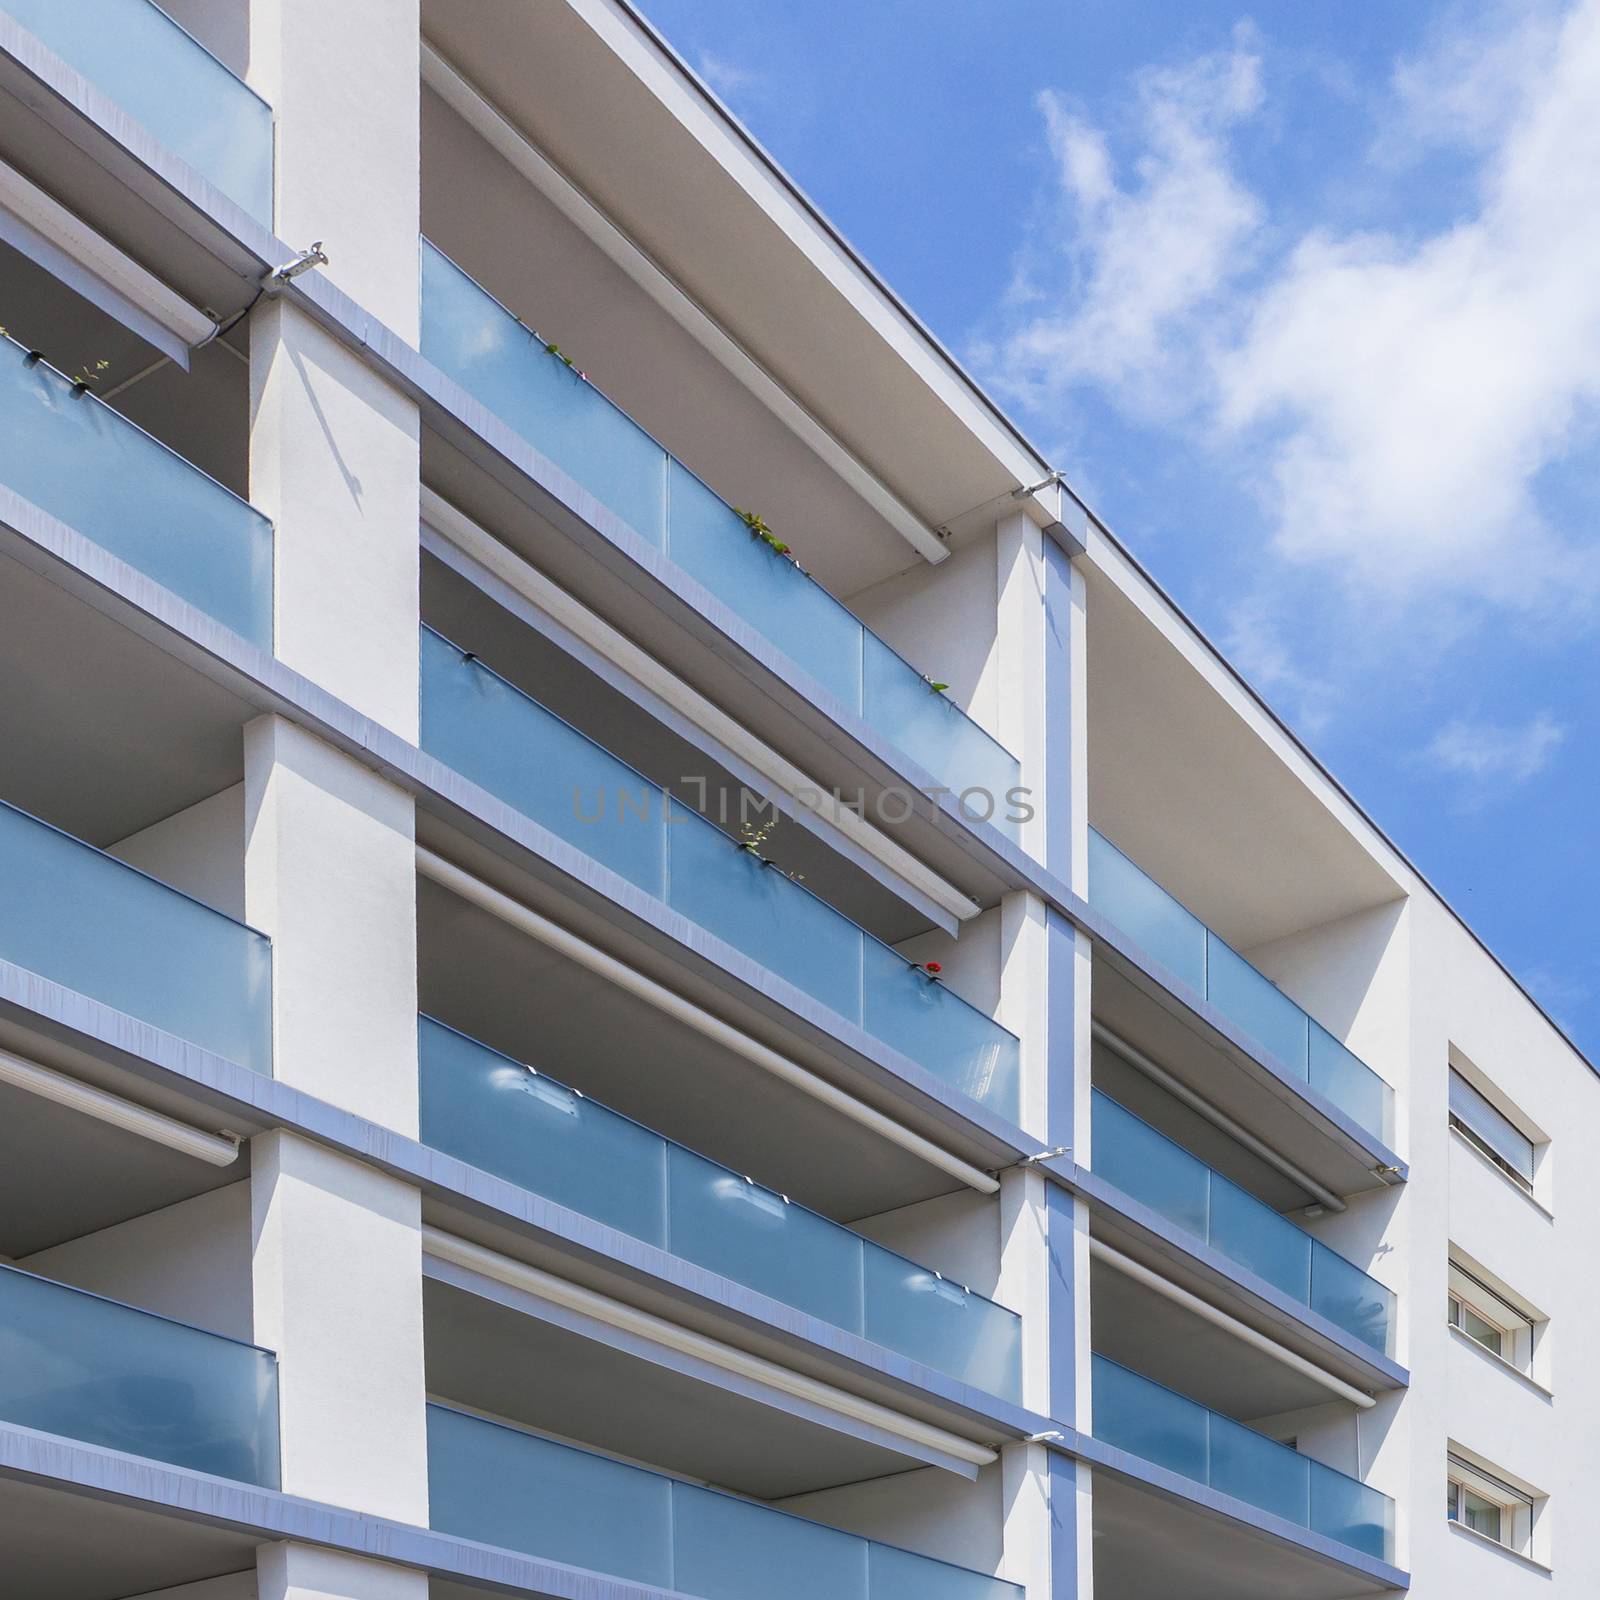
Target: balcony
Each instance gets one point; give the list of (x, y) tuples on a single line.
[(500, 1486), (509, 369), (86, 465), (80, 918), (490, 1111), (1176, 939), (1152, 1169), (167, 82), (511, 746), (74, 1364), (1160, 1426)]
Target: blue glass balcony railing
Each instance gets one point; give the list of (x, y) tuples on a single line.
[(1159, 1425), (492, 1112), (85, 464), (499, 1486), (167, 82), (493, 734), (473, 339), (1131, 899), (1150, 1168), (75, 1364), (85, 920)]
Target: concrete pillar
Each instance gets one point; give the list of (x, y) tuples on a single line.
[(337, 1279), (334, 461), (304, 1572), (330, 877), (333, 448), (344, 83), (330, 870), (1044, 1000)]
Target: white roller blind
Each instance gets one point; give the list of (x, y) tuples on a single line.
[(1513, 1147)]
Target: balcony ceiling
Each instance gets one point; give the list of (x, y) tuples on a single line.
[(519, 997), (112, 734), (1185, 786), (1147, 1547), (510, 1365), (1141, 1329), (63, 1546), (631, 129)]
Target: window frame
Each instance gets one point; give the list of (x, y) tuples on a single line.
[(1491, 1123), (1518, 1330), (1516, 1509)]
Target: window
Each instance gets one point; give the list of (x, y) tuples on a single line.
[(1482, 1516), (1490, 1131), (1488, 1507), (1489, 1319)]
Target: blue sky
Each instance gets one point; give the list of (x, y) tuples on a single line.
[(1306, 302)]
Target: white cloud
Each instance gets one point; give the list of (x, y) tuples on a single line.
[(1117, 265), (1414, 391), (728, 78), (1492, 753), (1393, 398)]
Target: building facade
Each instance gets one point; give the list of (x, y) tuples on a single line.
[(636, 959)]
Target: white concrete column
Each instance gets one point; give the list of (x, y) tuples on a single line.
[(330, 874), (1044, 1000), (1077, 871), (330, 871), (333, 448), (1027, 1282), (334, 461), (304, 1572), (344, 82), (1021, 639), (330, 877), (337, 1269)]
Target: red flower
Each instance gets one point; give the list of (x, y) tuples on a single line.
[(932, 968)]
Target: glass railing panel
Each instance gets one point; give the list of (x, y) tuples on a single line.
[(930, 1023), (715, 546), (89, 467), (939, 736), (168, 83), (493, 734), (488, 730), (763, 913), (1146, 913), (1257, 1006), (74, 1364), (1345, 1079), (494, 1113), (1151, 1168), (941, 1324), (898, 1575), (1343, 1509), (722, 1221), (486, 1109), (1150, 1422), (1254, 1235), (85, 920), (1148, 1166), (505, 365), (1146, 1419), (500, 1486), (1259, 1470), (511, 371), (1347, 1297), (730, 1549)]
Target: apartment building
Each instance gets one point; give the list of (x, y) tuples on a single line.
[(636, 959)]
